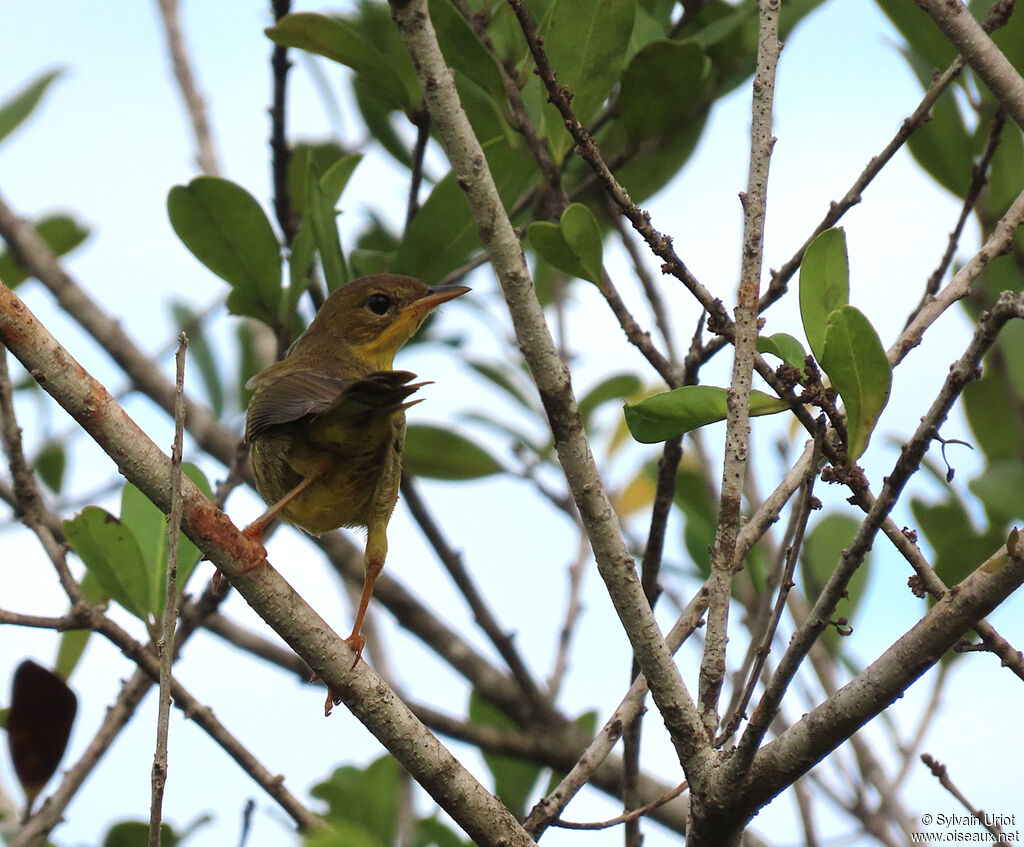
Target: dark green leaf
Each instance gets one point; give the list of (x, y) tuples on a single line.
[(586, 42), (112, 555), (957, 547), (665, 85), (1001, 489), (463, 49), (38, 725), (617, 387), (430, 832), (921, 33), (342, 42), (855, 361), (49, 464), (989, 408), (61, 233), (224, 227), (824, 285), (443, 234), (683, 409), (21, 105), (364, 797), (136, 834), (432, 451), (320, 211), (513, 778), (376, 112), (249, 363), (323, 154), (943, 146), (573, 245), (202, 355), (700, 511), (822, 548), (507, 381), (784, 347)]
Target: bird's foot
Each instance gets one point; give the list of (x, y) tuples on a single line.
[(356, 643)]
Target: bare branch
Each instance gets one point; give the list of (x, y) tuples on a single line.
[(552, 378), (195, 106), (737, 432)]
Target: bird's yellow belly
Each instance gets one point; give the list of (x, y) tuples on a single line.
[(349, 489)]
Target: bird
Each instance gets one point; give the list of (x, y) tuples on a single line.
[(325, 425)]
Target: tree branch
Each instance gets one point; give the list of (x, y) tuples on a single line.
[(553, 382)]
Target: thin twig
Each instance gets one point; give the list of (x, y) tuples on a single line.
[(551, 806), (737, 433), (942, 775), (979, 176), (760, 647), (165, 644), (632, 815), (452, 562), (422, 122), (963, 371), (280, 150), (206, 153)]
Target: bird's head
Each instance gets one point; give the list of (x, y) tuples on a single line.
[(375, 315)]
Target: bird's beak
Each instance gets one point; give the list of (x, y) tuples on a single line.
[(435, 297)]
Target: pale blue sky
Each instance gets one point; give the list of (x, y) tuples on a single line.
[(109, 142)]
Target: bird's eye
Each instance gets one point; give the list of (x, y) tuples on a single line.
[(378, 303)]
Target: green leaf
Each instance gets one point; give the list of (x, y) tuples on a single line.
[(1001, 489), (73, 641), (366, 798), (321, 217), (617, 387), (376, 112), (224, 227), (921, 33), (342, 42), (202, 354), (506, 381), (824, 285), (50, 463), (586, 43), (21, 105), (438, 453), (430, 832), (149, 526), (443, 234), (136, 834), (783, 346), (110, 552), (463, 50), (573, 245), (957, 547), (683, 409), (855, 361), (989, 407), (665, 85), (822, 548), (943, 146), (61, 233), (513, 778)]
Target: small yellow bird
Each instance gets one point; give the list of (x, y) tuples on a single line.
[(326, 424)]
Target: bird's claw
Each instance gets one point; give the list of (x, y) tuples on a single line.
[(356, 643)]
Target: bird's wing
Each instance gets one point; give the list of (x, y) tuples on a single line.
[(293, 395)]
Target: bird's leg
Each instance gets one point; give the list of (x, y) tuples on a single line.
[(373, 564), (254, 531)]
